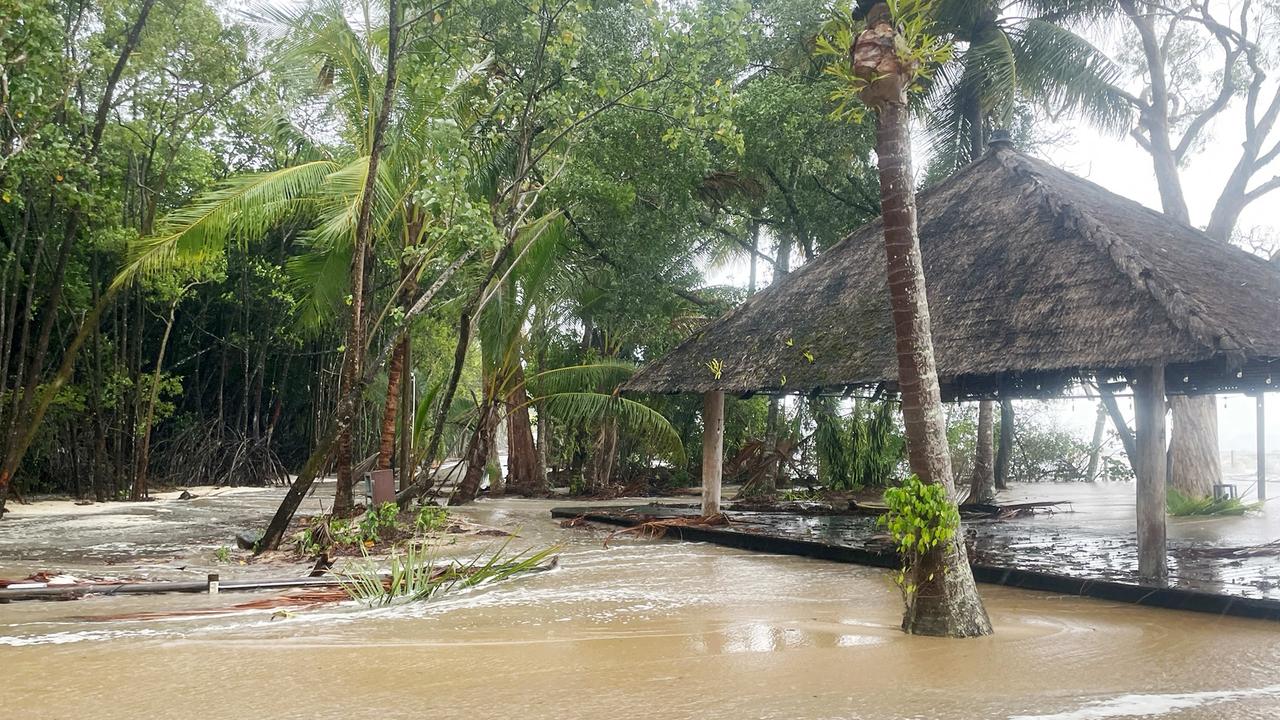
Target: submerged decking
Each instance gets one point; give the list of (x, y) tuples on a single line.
[(1048, 554)]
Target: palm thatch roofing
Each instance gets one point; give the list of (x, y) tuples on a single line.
[(1035, 277)]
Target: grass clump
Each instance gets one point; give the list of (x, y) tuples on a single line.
[(1180, 505)]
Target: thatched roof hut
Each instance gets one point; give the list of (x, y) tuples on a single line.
[(1035, 277)]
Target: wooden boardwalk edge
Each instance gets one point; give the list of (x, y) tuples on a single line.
[(1172, 598)]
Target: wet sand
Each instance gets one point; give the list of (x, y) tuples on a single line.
[(645, 627)]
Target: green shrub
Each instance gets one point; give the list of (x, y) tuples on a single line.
[(430, 518)]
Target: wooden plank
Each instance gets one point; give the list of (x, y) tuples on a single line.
[(1149, 429), (712, 451)]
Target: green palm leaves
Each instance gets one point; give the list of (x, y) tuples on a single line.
[(245, 207), (1003, 58)]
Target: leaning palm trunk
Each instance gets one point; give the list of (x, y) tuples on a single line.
[(477, 459), (945, 601)]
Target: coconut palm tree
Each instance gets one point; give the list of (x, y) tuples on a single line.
[(348, 202), (891, 52), (1011, 53), (580, 395), (1027, 55)]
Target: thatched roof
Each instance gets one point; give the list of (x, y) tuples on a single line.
[(1034, 276)]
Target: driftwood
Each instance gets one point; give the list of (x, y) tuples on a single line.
[(755, 460), (654, 528)]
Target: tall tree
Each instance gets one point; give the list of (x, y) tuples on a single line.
[(888, 57), (1175, 111)]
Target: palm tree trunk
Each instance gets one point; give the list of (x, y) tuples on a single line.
[(525, 473), (946, 600), (478, 450), (387, 431)]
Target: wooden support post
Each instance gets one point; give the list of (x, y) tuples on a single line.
[(712, 451), (1262, 448), (1149, 425)]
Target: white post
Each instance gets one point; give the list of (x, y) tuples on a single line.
[(1262, 448), (1149, 425), (712, 451)]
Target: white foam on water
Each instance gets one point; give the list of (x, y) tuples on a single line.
[(1147, 705), (65, 638)]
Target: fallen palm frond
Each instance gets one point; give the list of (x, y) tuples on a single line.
[(1182, 506), (655, 528), (415, 574)]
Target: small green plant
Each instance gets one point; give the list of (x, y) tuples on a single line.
[(377, 519), (716, 367), (921, 518), (415, 574), (222, 554), (1182, 506), (430, 518)]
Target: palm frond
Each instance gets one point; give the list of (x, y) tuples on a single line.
[(606, 374), (244, 207), (1064, 72), (321, 277), (635, 419)]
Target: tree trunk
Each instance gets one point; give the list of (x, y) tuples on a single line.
[(144, 454), (1005, 449), (525, 472), (1122, 426), (477, 458), (603, 458), (1095, 446), (387, 432), (946, 600), (1194, 464), (408, 404), (342, 503), (982, 485)]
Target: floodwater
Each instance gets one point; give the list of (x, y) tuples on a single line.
[(644, 628)]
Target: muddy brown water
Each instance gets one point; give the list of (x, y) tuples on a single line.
[(644, 628)]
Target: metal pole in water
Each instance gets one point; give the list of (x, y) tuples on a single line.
[(1262, 448)]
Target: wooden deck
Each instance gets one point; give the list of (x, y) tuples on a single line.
[(1074, 561)]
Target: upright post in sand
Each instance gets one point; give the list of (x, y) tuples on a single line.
[(1262, 448), (1149, 427), (712, 451)]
